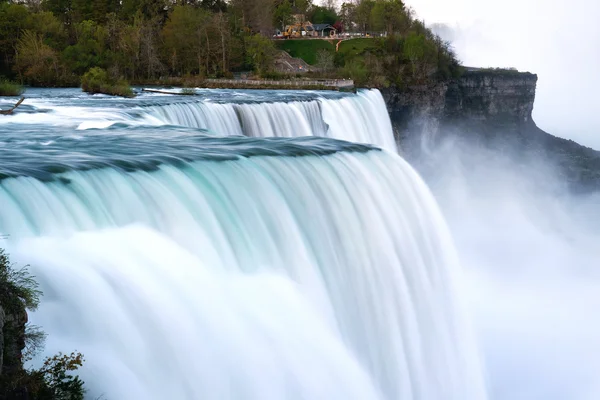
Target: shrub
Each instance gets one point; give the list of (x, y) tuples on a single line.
[(97, 80), (8, 88), (18, 288), (188, 92)]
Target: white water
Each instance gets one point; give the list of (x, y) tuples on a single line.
[(361, 118), (263, 278)]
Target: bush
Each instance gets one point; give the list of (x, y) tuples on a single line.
[(18, 288), (8, 88), (188, 92), (97, 80)]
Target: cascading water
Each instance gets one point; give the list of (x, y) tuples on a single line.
[(361, 118), (186, 266)]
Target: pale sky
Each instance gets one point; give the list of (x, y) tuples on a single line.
[(558, 40)]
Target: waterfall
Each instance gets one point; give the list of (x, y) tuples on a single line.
[(320, 277), (358, 118), (265, 259)]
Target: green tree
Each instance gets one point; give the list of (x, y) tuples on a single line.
[(89, 49), (60, 8), (283, 14), (13, 19), (389, 16), (347, 15), (150, 9), (37, 63), (323, 15), (362, 14), (50, 28), (261, 53)]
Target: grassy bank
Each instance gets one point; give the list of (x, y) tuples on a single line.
[(307, 50)]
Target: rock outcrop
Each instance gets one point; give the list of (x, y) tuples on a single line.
[(12, 340), (490, 108), (488, 100)]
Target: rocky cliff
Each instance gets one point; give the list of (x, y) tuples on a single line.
[(12, 340), (490, 108)]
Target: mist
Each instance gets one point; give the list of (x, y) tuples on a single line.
[(557, 40), (529, 250)]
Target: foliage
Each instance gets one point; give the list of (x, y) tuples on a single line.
[(8, 88), (97, 80), (55, 42), (56, 378), (325, 60), (323, 15), (283, 14), (261, 53), (18, 288), (188, 92)]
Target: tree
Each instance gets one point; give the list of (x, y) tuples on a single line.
[(37, 63), (302, 6), (60, 8), (255, 16), (89, 48), (347, 15), (325, 60), (260, 53), (323, 15), (362, 14), (283, 14), (13, 19), (187, 56), (389, 16)]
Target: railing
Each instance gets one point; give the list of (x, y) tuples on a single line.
[(329, 83)]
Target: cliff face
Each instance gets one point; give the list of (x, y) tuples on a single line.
[(2, 317), (478, 100), (492, 109), (503, 100), (12, 340)]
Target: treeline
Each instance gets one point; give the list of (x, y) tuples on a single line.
[(55, 42)]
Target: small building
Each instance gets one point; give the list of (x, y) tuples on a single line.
[(321, 30)]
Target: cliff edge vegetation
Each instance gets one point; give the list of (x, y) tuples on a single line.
[(20, 342)]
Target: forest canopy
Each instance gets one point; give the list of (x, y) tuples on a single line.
[(56, 42)]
